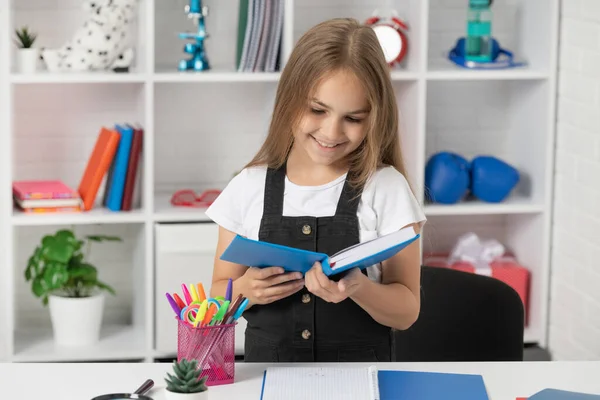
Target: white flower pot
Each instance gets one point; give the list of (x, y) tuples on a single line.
[(28, 60), (186, 396), (76, 322)]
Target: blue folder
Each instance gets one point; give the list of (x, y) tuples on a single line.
[(254, 253), (430, 386)]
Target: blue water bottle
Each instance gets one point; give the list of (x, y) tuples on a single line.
[(478, 46)]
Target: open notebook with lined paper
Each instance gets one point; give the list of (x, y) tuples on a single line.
[(302, 383)]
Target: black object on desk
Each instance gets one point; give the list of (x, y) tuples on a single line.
[(138, 394)]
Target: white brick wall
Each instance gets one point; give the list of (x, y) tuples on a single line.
[(575, 292)]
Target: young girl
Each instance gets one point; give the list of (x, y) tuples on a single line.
[(329, 175)]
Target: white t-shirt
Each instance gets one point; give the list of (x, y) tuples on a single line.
[(387, 204)]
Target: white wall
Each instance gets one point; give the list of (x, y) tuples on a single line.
[(575, 294)]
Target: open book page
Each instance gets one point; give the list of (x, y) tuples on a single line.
[(316, 383), (361, 250)]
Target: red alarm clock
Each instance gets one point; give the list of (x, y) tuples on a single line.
[(392, 37)]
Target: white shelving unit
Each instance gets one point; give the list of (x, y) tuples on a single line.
[(201, 127)]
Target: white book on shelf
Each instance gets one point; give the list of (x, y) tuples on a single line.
[(276, 32), (247, 36), (257, 22), (259, 66)]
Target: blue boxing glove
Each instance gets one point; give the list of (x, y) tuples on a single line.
[(447, 178), (492, 179)]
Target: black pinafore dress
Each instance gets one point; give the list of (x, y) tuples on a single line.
[(303, 327)]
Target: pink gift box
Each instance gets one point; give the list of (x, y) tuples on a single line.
[(505, 269)]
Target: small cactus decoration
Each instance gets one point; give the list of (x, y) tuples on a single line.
[(186, 378), (24, 38)]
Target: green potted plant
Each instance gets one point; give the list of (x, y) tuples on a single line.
[(185, 383), (27, 55), (62, 278)]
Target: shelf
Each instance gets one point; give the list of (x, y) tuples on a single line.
[(520, 234), (202, 127), (165, 212), (458, 74), (166, 74), (494, 118), (514, 205), (116, 343), (63, 78), (400, 75), (94, 216)]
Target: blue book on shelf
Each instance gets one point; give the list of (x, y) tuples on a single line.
[(253, 253), (119, 170)]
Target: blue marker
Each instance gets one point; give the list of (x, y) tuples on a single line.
[(229, 290), (238, 312), (240, 309)]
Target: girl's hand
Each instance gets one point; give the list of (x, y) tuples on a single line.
[(333, 292), (266, 285)]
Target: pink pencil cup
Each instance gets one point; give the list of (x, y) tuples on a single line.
[(212, 346)]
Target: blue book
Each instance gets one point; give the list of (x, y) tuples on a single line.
[(116, 186), (368, 383), (556, 394), (254, 253)]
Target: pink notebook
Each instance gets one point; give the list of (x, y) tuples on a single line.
[(41, 189)]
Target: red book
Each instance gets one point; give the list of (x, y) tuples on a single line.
[(132, 168)]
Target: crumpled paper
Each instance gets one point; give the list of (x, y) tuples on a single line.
[(479, 253)]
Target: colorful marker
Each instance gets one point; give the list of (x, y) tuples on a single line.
[(229, 289), (173, 304), (201, 293), (178, 300), (240, 309), (186, 293), (193, 292), (213, 308), (232, 308), (201, 313), (220, 314)]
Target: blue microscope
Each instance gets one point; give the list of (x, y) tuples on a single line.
[(198, 61)]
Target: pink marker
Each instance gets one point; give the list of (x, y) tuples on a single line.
[(186, 293)]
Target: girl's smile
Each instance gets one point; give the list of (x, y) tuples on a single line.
[(325, 145)]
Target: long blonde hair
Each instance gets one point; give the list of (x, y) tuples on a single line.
[(335, 44)]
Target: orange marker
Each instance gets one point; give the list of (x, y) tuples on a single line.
[(201, 293), (212, 310)]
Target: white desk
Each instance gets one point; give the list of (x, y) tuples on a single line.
[(504, 381)]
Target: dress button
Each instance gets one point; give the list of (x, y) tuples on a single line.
[(305, 334), (306, 298), (306, 229)]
